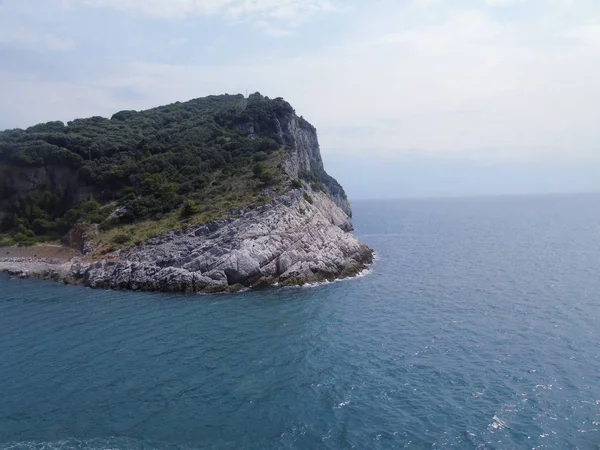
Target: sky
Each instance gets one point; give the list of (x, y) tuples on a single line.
[(410, 98)]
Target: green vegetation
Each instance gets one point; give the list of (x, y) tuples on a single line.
[(262, 172), (308, 198), (6, 240), (319, 179), (317, 186), (189, 208), (141, 173), (121, 238)]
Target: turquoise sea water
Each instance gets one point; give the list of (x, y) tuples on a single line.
[(479, 327)]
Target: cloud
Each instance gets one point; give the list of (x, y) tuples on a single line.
[(27, 100), (501, 2), (465, 28), (274, 17), (19, 31), (284, 11), (161, 9), (588, 35), (270, 29), (421, 78), (34, 40)]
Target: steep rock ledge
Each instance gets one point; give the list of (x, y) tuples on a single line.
[(289, 241)]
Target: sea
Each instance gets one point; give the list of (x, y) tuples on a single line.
[(477, 327)]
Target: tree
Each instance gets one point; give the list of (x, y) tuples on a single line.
[(189, 209)]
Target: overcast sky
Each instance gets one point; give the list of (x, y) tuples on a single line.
[(410, 97)]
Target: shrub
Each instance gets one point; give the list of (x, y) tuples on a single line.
[(262, 173), (121, 238), (267, 177), (307, 175), (260, 156), (189, 208), (317, 186), (5, 241), (258, 169), (92, 211), (296, 184), (308, 198)]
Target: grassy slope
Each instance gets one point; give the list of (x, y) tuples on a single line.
[(221, 198)]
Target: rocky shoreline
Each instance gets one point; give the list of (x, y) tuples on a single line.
[(35, 267), (295, 239)]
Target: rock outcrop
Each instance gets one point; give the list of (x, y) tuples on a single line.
[(295, 239)]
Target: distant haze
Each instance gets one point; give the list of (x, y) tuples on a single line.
[(399, 177), (411, 98)]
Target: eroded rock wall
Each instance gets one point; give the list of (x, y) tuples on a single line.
[(295, 239)]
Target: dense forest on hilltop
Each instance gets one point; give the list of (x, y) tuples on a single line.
[(176, 161)]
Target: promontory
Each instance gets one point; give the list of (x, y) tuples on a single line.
[(215, 194)]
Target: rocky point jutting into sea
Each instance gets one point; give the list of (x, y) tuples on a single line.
[(216, 194)]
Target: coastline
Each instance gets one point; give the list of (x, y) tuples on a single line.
[(291, 241), (61, 271), (276, 246), (41, 261)]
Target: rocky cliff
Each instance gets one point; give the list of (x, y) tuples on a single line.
[(295, 239), (297, 232), (304, 161)]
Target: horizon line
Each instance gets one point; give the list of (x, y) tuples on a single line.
[(474, 196)]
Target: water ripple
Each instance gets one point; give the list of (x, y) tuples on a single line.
[(477, 328)]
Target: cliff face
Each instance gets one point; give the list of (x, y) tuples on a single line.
[(303, 159), (17, 181), (307, 159)]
